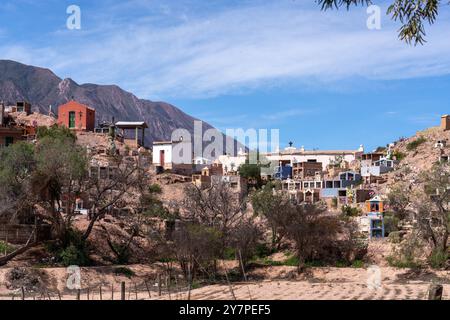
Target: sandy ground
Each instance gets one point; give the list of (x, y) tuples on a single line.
[(281, 283)]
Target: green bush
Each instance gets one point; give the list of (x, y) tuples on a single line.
[(229, 254), (127, 272), (395, 237), (399, 156), (334, 203), (349, 211), (269, 262), (291, 261), (73, 255), (314, 263), (403, 262), (73, 250), (5, 248), (358, 264), (390, 223), (155, 188), (438, 259), (123, 253), (262, 250), (414, 144)]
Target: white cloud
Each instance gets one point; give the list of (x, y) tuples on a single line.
[(237, 49)]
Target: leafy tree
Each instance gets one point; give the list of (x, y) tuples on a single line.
[(16, 163), (269, 204), (412, 14), (426, 203)]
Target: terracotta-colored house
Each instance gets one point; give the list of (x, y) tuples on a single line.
[(76, 116)]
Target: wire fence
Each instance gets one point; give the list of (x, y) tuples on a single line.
[(163, 287)]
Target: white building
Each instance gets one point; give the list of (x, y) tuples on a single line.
[(162, 154), (293, 155), (232, 163)]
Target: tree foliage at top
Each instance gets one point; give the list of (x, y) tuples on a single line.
[(412, 14)]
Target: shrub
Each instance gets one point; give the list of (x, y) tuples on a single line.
[(395, 237), (334, 203), (122, 252), (291, 261), (390, 223), (5, 247), (155, 188), (127, 272), (398, 155), (229, 253), (414, 144), (73, 250), (349, 211), (358, 264), (403, 262), (73, 255), (438, 259), (262, 250)]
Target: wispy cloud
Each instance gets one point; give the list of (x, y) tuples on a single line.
[(285, 114), (232, 49)]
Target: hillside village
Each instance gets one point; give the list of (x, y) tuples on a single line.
[(354, 185)]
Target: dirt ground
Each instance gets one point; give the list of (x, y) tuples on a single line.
[(279, 283)]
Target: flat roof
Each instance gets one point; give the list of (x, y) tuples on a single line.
[(161, 142), (131, 124), (312, 152)]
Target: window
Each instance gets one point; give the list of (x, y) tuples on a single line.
[(72, 119), (9, 141)]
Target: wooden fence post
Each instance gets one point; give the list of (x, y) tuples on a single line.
[(435, 292), (159, 284), (101, 295), (78, 294), (23, 293), (148, 290), (122, 291), (112, 291)]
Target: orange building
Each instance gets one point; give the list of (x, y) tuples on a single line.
[(76, 116)]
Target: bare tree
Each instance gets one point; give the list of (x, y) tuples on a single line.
[(218, 207), (426, 202)]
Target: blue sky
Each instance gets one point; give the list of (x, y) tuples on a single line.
[(324, 79)]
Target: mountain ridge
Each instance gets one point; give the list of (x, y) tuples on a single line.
[(42, 88)]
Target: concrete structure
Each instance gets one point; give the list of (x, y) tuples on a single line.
[(203, 180), (232, 163), (135, 126), (370, 172), (445, 122), (283, 172), (375, 215), (292, 155), (23, 106), (236, 183), (76, 116), (162, 154), (8, 134), (302, 170)]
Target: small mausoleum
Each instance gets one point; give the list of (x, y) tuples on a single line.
[(375, 215)]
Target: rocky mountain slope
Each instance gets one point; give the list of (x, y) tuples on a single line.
[(42, 88)]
